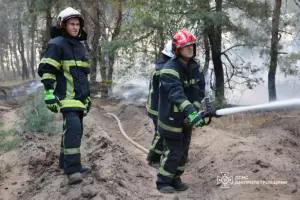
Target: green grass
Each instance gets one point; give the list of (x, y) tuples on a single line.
[(9, 140), (37, 118)]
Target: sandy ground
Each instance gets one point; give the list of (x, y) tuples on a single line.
[(258, 147)]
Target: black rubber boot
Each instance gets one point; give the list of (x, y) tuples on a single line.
[(61, 161), (167, 189), (83, 170), (153, 157), (179, 185), (74, 178)]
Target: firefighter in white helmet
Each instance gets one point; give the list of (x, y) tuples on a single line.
[(64, 71), (156, 148)]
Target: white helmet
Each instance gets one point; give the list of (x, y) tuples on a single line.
[(168, 49), (69, 13)]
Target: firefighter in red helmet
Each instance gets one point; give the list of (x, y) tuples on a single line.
[(182, 88)]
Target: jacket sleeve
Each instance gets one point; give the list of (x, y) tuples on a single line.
[(170, 80), (85, 61), (201, 84), (86, 67), (50, 65), (200, 91)]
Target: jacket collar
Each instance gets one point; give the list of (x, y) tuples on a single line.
[(192, 64), (71, 40), (163, 59)]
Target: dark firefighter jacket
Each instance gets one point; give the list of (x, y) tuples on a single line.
[(64, 68), (152, 102), (182, 88)]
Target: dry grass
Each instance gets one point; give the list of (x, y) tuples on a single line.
[(4, 168), (36, 118), (8, 139), (245, 121)]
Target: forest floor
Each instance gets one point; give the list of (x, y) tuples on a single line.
[(260, 147)]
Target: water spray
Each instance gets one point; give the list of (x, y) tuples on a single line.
[(208, 113), (265, 106)]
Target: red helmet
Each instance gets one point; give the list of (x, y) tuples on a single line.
[(183, 38)]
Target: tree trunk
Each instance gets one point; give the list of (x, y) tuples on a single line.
[(87, 46), (103, 62), (31, 4), (32, 59), (11, 59), (274, 51), (46, 36), (2, 62), (159, 44), (27, 51), (7, 60), (95, 44), (207, 53), (112, 55), (162, 40), (32, 62), (103, 68), (110, 74), (215, 39), (110, 67), (25, 72), (161, 32), (16, 56)]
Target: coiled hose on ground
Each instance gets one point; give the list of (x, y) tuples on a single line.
[(126, 136)]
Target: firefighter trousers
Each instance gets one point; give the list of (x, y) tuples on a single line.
[(70, 143), (174, 157), (156, 144)]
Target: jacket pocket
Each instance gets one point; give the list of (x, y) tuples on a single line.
[(81, 87), (175, 113), (170, 127), (86, 70)]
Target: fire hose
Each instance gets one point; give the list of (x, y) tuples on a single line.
[(208, 113), (126, 136)]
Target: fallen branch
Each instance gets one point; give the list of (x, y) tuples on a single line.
[(126, 136)]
